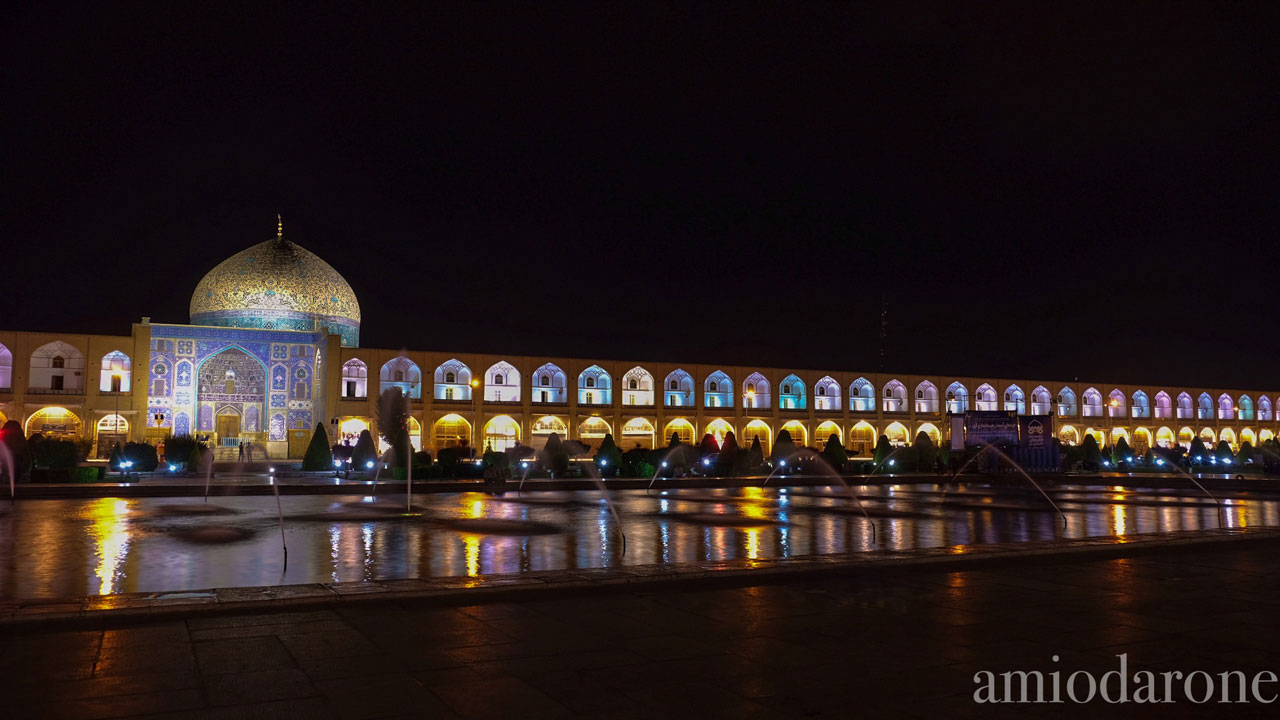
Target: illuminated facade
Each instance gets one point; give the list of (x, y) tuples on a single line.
[(273, 349)]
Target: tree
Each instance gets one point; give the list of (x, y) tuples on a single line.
[(364, 452), (393, 423), (883, 450), (554, 458), (834, 453), (675, 439), (608, 457), (756, 454), (1121, 452), (1223, 451), (117, 456), (708, 446), (923, 452), (142, 455), (728, 458), (1198, 453), (784, 447), (318, 455), (1092, 456), (178, 449), (1246, 452)]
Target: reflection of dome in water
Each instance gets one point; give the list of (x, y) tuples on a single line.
[(277, 285)]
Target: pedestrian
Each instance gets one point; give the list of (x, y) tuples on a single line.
[(241, 458), (938, 466)]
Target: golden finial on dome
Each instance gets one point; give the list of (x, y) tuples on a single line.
[(279, 227)]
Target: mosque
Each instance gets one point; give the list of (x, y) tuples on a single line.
[(273, 348)]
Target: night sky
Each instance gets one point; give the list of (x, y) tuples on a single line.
[(1075, 193)]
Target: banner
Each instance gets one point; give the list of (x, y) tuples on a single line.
[(1037, 431), (990, 426)]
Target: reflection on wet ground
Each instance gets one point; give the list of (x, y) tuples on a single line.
[(65, 548)]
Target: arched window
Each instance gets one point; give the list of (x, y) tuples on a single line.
[(984, 398), (926, 397), (828, 391), (1040, 403), (895, 397), (6, 368), (1164, 408), (552, 385), (1116, 404), (403, 373), (862, 396), (1226, 407), (1205, 410), (453, 382), (355, 378), (1264, 408), (793, 394), (57, 367), (1141, 405), (755, 392), (503, 383), (598, 381), (1092, 403), (679, 390), (117, 372), (1015, 400), (1245, 408), (957, 398), (1067, 402), (1185, 409), (639, 384), (716, 390)]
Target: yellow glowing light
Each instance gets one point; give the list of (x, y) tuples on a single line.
[(475, 383), (1117, 520), (753, 543), (1115, 402), (477, 509), (751, 393), (110, 535), (472, 549)]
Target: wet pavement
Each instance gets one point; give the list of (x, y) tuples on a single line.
[(867, 643)]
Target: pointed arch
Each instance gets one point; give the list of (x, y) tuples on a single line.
[(1264, 408), (824, 431), (1141, 440), (718, 429), (502, 384), (757, 430), (1204, 409), (355, 379), (637, 433), (926, 397), (1040, 402), (957, 398), (897, 433), (6, 368), (56, 367), (1163, 406), (1226, 407), (591, 431), (862, 396), (984, 398), (1165, 437), (550, 385), (451, 430), (1208, 437), (453, 382), (1092, 405), (543, 427), (1247, 435), (53, 423), (1117, 404), (717, 390), (637, 388), (932, 432), (755, 392), (681, 428), (895, 397), (862, 438), (1015, 399), (1244, 408), (826, 394), (1067, 405), (595, 386), (677, 390), (116, 372), (403, 373), (791, 394), (1141, 405), (1186, 408), (501, 433), (1229, 437), (1068, 435), (1185, 436), (798, 432)]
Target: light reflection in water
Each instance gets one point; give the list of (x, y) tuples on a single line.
[(62, 548), (109, 532)]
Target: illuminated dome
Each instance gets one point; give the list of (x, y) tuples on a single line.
[(277, 285)]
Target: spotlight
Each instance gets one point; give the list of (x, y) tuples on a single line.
[(706, 461), (369, 464)]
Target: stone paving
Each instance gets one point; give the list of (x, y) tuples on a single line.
[(868, 642)]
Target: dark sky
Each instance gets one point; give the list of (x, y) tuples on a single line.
[(1075, 192)]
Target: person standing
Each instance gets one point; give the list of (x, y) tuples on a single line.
[(241, 459)]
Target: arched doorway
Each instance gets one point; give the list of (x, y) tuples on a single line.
[(718, 428), (415, 437), (637, 432), (1229, 437), (56, 423), (824, 433), (1165, 438), (862, 439), (897, 434), (349, 429), (111, 429), (543, 428), (452, 430), (932, 432), (1068, 435), (501, 433), (681, 428), (757, 429), (231, 397), (1141, 440), (591, 431), (799, 435)]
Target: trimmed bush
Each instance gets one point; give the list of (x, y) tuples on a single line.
[(318, 455), (142, 455)]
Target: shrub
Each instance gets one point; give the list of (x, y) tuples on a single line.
[(393, 423), (608, 458), (834, 453), (883, 450), (727, 460), (318, 455), (923, 452), (1121, 452), (1091, 455), (178, 449), (56, 454), (554, 457), (142, 455), (364, 451), (784, 447)]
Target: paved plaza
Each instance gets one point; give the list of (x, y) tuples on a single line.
[(872, 643)]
